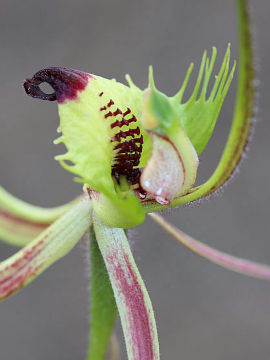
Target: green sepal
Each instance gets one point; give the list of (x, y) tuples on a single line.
[(103, 307), (199, 114)]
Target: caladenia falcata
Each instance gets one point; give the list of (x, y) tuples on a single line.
[(136, 152)]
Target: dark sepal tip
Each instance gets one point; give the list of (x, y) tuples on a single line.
[(32, 88), (65, 82)]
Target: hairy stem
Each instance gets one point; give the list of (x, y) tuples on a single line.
[(103, 307)]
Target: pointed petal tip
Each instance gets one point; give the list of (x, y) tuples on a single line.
[(240, 265)]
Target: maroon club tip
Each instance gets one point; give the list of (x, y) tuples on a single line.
[(65, 82)]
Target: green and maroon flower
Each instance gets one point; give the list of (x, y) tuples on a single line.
[(136, 153)]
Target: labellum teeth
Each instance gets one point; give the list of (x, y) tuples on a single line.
[(98, 122), (128, 145), (65, 83)]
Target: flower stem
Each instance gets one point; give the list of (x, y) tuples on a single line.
[(103, 307), (131, 296)]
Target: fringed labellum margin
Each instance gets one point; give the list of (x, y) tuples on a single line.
[(100, 130)]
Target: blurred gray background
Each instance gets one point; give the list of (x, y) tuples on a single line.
[(202, 310)]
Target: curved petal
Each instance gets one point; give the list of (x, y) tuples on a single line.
[(240, 265), (131, 296), (242, 121), (26, 211), (21, 222), (55, 242), (17, 231)]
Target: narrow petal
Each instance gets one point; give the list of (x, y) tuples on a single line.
[(242, 121), (17, 231), (132, 299), (21, 222), (55, 242), (36, 214), (242, 266), (103, 307)]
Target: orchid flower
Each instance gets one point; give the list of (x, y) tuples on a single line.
[(136, 152)]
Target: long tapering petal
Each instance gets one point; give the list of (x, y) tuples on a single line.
[(242, 120), (26, 211), (55, 242), (240, 265), (17, 231), (21, 222), (132, 299)]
